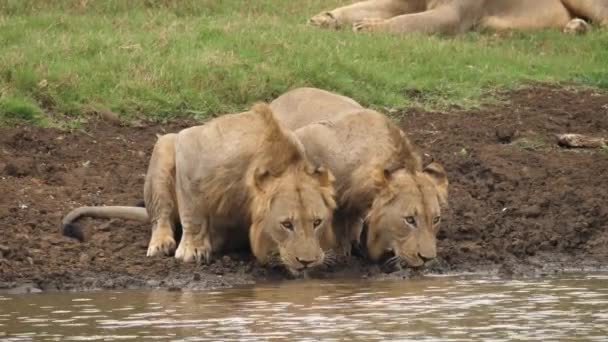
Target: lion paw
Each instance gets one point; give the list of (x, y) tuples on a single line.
[(357, 249), (325, 20), (194, 249), (577, 26), (161, 243), (368, 25)]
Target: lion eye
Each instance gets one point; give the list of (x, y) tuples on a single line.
[(436, 219), (317, 222), (287, 225), (410, 220)]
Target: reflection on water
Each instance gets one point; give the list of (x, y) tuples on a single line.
[(571, 307)]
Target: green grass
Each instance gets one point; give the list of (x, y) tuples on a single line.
[(161, 59)]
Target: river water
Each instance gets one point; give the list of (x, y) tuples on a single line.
[(458, 308)]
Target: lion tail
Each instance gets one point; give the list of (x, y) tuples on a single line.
[(70, 229)]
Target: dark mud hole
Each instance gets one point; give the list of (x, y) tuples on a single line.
[(519, 204)]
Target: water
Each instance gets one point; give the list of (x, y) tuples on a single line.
[(569, 307)]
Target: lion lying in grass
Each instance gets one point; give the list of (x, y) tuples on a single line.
[(459, 16), (238, 179), (379, 176)]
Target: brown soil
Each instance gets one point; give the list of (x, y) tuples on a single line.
[(519, 203)]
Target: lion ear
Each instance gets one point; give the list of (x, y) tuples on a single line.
[(279, 147), (381, 176), (326, 180), (404, 156), (438, 176), (259, 179), (324, 176)]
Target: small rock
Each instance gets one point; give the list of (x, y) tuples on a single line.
[(30, 260), (55, 240), (581, 141), (109, 116), (137, 124), (4, 249), (463, 152), (24, 288), (84, 258), (153, 283), (505, 134), (531, 211), (141, 154), (108, 284), (226, 259), (196, 277)]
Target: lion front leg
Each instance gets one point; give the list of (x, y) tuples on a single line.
[(347, 15), (162, 241), (196, 240), (159, 196), (446, 19)]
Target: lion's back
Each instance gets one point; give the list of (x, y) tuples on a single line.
[(202, 149), (302, 106)]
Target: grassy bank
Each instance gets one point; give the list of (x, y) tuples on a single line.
[(62, 59)]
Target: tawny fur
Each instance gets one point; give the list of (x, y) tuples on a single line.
[(458, 16), (379, 175), (220, 181)]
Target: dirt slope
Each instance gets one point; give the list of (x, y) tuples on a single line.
[(518, 202)]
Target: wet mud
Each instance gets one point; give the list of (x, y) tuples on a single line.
[(519, 203)]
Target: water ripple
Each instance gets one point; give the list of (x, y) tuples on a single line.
[(433, 309)]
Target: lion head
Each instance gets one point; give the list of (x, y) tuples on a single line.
[(292, 201), (405, 213), (404, 218)]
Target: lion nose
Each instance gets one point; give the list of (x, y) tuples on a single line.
[(424, 258), (305, 262)]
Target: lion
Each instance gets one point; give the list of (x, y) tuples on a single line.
[(452, 17), (380, 180), (240, 179)]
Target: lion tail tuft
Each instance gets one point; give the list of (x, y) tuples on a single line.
[(73, 231)]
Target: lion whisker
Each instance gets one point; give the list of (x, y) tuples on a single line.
[(330, 256), (275, 261), (392, 264)]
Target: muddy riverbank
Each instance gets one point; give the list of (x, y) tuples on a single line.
[(519, 203)]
